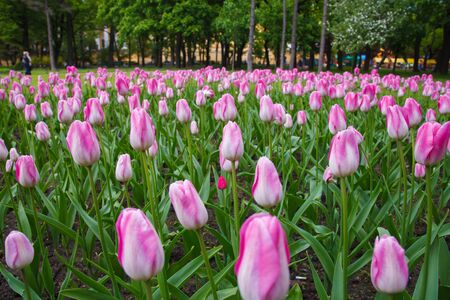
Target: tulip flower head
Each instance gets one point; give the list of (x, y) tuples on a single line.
[(27, 174), (344, 152), (232, 144), (19, 251), (83, 144), (124, 172), (431, 143), (267, 189)]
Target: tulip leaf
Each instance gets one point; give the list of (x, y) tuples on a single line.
[(83, 294), (295, 293), (338, 276), (24, 224), (317, 282), (203, 292), (16, 285)]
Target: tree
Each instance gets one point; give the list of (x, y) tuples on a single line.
[(294, 35), (251, 37), (322, 35), (283, 36)]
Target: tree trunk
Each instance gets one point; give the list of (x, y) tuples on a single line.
[(283, 36), (444, 54), (183, 50), (69, 39), (328, 53), (395, 63), (416, 54), (267, 53), (50, 36), (251, 37), (294, 36), (25, 32), (355, 60), (142, 49), (360, 60), (208, 55), (112, 43), (323, 33), (311, 59), (240, 51), (189, 51), (225, 53), (179, 50), (368, 58), (340, 60)]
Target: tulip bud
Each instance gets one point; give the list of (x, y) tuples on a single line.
[(194, 127), (344, 152), (27, 174), (396, 123), (200, 98), (385, 102), (183, 112), (30, 112), (13, 155), (365, 104), (225, 164), (431, 142), (142, 135), (9, 165), (301, 117), (444, 104), (351, 102), (288, 122), (336, 119), (267, 189), (140, 252), (412, 112), (327, 175), (153, 150), (65, 112), (19, 251), (93, 112), (389, 269), (431, 115), (3, 150), (188, 206), (279, 114), (46, 110), (263, 260), (83, 144), (419, 170), (146, 105), (315, 101), (42, 132), (222, 183), (122, 86), (232, 144), (124, 171), (266, 109), (19, 101)]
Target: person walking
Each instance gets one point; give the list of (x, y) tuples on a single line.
[(26, 62)]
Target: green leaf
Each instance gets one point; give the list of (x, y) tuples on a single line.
[(16, 285), (295, 293), (23, 221), (322, 293), (83, 294), (338, 279), (203, 292)]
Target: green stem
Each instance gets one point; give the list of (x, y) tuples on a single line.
[(317, 145), (148, 290), (38, 229), (344, 234), (190, 162), (390, 296), (405, 190), (108, 182), (208, 266), (236, 203), (27, 286), (127, 196), (101, 233), (429, 226), (269, 135), (413, 164)]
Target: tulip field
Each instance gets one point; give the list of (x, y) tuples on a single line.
[(213, 184)]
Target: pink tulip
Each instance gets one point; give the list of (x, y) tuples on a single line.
[(351, 102), (27, 174), (93, 112), (262, 268), (315, 101), (395, 122), (183, 112), (30, 112), (194, 127), (9, 165), (153, 150), (232, 144), (279, 114), (83, 144), (385, 102), (412, 112), (431, 142), (140, 252), (142, 134), (19, 101), (267, 189), (122, 86), (3, 150), (365, 103), (13, 155), (133, 102), (288, 123), (344, 152), (266, 109), (225, 108), (75, 104), (103, 97), (65, 113), (146, 105), (389, 269), (221, 183), (200, 98), (188, 206), (444, 104), (169, 93), (336, 119), (19, 251), (43, 89), (46, 110), (301, 117), (42, 132), (419, 170), (162, 108), (260, 89), (431, 115), (100, 83), (124, 172)]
